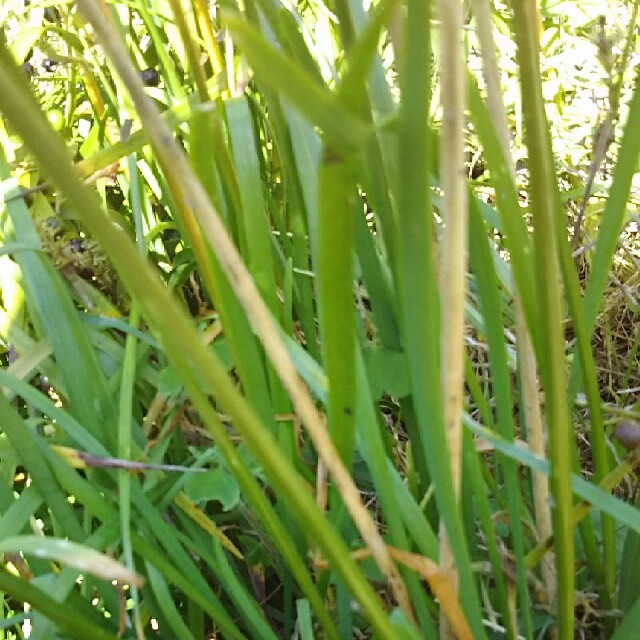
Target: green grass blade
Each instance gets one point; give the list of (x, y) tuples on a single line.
[(305, 625), (72, 554), (166, 603), (253, 212), (16, 516), (511, 220), (211, 551), (77, 626), (335, 296), (23, 441), (591, 494), (311, 98), (629, 627), (615, 209), (547, 212), (371, 445), (489, 294), (418, 290)]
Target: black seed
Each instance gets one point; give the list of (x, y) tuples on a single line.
[(52, 222), (54, 226), (49, 65), (77, 245), (150, 77)]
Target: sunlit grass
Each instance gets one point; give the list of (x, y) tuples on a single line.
[(258, 277)]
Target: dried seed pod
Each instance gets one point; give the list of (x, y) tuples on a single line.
[(628, 434)]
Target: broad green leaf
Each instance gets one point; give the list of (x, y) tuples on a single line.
[(215, 484), (387, 372)]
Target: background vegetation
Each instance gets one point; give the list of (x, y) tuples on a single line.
[(318, 319)]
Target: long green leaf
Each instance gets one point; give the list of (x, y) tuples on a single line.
[(311, 98)]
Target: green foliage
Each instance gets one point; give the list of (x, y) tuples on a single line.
[(245, 272)]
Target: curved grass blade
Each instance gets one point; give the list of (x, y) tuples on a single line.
[(72, 554)]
